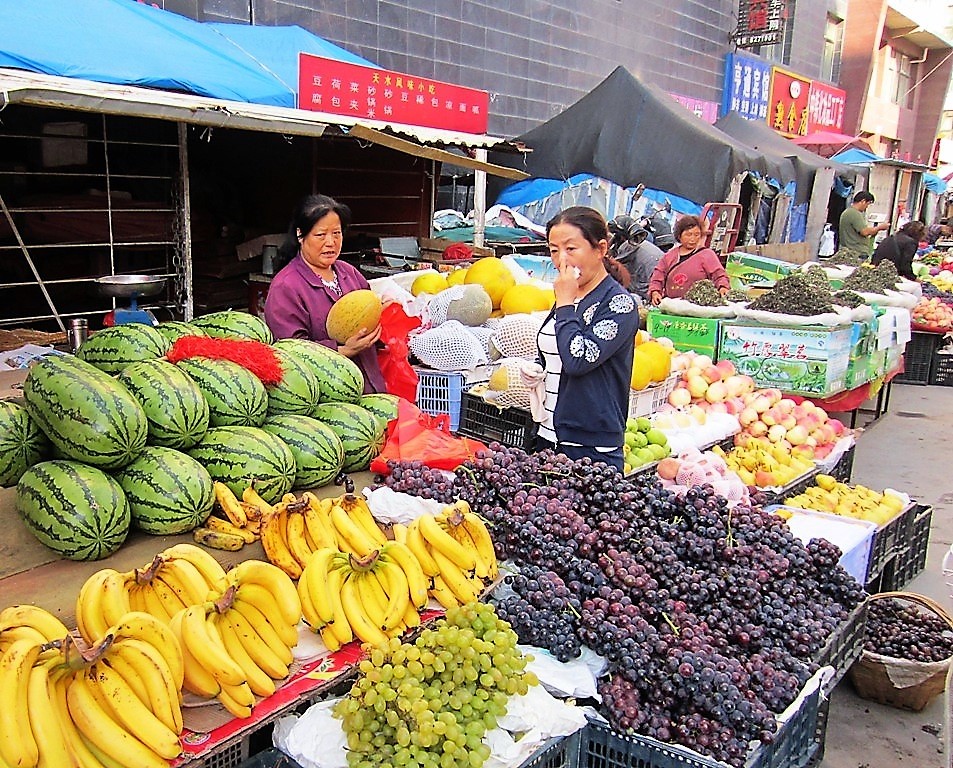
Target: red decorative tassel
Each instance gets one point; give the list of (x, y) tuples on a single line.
[(258, 358)]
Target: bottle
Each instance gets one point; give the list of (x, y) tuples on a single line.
[(77, 333)]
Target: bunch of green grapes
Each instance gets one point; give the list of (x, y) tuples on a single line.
[(427, 704)]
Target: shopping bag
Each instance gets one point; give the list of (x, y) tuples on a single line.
[(399, 375), (416, 436)]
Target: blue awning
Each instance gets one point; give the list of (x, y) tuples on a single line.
[(934, 183)]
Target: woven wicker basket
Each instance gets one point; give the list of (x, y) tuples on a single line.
[(898, 682), (17, 337)]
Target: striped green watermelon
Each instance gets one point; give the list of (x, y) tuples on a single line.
[(174, 405), (360, 432), (112, 349), (239, 456), (173, 330), (87, 414), (318, 451), (235, 395), (299, 390), (168, 491), (22, 442), (76, 510), (232, 324), (382, 405), (340, 379)]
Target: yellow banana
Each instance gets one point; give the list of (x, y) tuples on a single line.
[(416, 544), (115, 598), (339, 625), (18, 746), (316, 576), (89, 618), (131, 713), (247, 600), (197, 679), (149, 602), (394, 582), (54, 750), (74, 739), (442, 542), (185, 580), (237, 699), (372, 597), (443, 594), (33, 616), (271, 663), (128, 671), (168, 598), (318, 522), (230, 505), (220, 525), (11, 635), (250, 496), (207, 565), (257, 623), (483, 542), (259, 682), (459, 582), (137, 599), (399, 532), (153, 632), (229, 542), (281, 587), (297, 538), (207, 649), (411, 617), (356, 508), (417, 581), (329, 639), (356, 617), (152, 671), (351, 536), (274, 532)]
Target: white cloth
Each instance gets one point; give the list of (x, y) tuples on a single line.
[(534, 377)]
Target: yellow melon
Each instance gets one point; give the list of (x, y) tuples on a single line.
[(526, 298), (493, 275), (353, 311), (641, 369), (429, 282), (659, 359), (457, 277)]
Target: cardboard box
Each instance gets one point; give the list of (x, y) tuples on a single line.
[(746, 269), (858, 371), (697, 334), (804, 360), (793, 253)]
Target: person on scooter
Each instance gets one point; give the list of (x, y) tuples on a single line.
[(632, 247), (687, 263)]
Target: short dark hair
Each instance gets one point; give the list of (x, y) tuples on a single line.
[(587, 220), (863, 197), (684, 224), (914, 229), (307, 213)]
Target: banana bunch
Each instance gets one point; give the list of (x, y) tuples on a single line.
[(296, 528), (241, 522), (372, 598), (178, 577), (237, 645), (29, 622), (455, 550), (116, 704)]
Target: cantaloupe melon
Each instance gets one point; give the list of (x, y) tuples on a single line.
[(472, 308), (493, 275), (353, 311)]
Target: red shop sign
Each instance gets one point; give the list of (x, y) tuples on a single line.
[(788, 103), (825, 111), (340, 88)]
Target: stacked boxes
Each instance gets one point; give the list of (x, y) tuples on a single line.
[(688, 334)]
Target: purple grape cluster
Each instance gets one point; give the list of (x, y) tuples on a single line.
[(903, 631)]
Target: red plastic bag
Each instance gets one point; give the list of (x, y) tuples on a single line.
[(415, 436), (399, 374)]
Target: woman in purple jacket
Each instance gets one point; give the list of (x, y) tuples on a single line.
[(302, 293), (686, 264)]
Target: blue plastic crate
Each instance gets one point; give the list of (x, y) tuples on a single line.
[(439, 392)]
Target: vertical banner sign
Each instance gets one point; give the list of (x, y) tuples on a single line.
[(747, 86), (788, 103), (340, 88), (760, 22), (825, 111)]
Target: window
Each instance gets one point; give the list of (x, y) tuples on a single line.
[(781, 51), (833, 45), (900, 78)]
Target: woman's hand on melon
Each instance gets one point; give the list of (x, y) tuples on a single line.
[(360, 341)]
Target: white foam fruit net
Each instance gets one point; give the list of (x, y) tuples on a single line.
[(515, 336), (516, 391), (691, 474), (438, 305), (448, 347)]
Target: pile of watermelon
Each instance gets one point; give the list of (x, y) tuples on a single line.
[(119, 436)]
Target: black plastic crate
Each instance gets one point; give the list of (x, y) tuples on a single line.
[(844, 646), (942, 372), (911, 559), (918, 358), (484, 421), (887, 541), (799, 485), (820, 734), (562, 752), (270, 758), (844, 467)]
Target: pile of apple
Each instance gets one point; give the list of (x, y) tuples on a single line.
[(803, 428), (933, 312), (715, 387)]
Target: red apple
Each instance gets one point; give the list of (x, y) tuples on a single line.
[(711, 374), (726, 367)]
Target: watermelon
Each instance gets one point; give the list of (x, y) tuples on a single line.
[(175, 407), (86, 413), (168, 492), (22, 442), (232, 324), (240, 456), (76, 510), (382, 405), (340, 379), (112, 349), (318, 451), (235, 395), (360, 432), (299, 390), (173, 330)]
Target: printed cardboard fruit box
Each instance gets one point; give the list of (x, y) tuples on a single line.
[(688, 334), (745, 269), (805, 360)]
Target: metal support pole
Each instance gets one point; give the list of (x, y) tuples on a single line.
[(479, 202), (188, 308)]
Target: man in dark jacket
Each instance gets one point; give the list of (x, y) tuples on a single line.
[(631, 247)]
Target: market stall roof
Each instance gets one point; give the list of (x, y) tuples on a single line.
[(759, 135), (93, 56), (862, 157), (829, 143), (631, 132)]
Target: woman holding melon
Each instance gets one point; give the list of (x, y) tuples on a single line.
[(301, 295), (586, 342)]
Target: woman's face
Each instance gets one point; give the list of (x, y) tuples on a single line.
[(691, 237), (321, 246), (567, 241)]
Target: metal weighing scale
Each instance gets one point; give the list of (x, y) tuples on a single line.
[(131, 287)]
